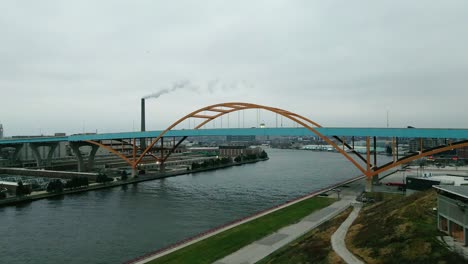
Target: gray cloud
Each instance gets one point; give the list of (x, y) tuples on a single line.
[(340, 62)]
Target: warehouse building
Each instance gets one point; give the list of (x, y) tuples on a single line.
[(452, 211)]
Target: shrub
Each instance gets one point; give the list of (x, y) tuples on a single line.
[(102, 178), (55, 186)]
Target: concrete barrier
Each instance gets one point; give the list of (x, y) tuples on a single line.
[(47, 173)]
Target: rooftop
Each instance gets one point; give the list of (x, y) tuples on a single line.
[(461, 191)]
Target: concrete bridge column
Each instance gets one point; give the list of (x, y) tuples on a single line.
[(369, 184), (36, 154), (82, 166), (370, 181), (39, 160), (134, 173), (91, 157), (76, 150), (17, 147), (52, 148)]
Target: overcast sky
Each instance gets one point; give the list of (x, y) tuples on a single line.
[(74, 66)]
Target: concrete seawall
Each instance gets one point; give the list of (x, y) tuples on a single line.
[(140, 178), (47, 173)]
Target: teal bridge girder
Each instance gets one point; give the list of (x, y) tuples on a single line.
[(447, 133), (334, 136)]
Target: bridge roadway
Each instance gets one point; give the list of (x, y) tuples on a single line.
[(448, 133)]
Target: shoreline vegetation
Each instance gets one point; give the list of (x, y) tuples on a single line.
[(59, 190), (400, 229)]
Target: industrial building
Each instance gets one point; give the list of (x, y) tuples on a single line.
[(234, 151), (427, 143), (245, 140), (452, 213)]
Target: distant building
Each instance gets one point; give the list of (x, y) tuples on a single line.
[(462, 153), (452, 213), (240, 139), (232, 151), (1, 131), (427, 143), (427, 181)]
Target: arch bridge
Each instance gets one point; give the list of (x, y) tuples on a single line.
[(341, 139), (363, 163)]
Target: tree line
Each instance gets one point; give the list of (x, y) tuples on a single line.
[(75, 182), (228, 160), (211, 163)]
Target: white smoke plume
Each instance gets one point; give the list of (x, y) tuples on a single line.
[(211, 87), (217, 85), (177, 85)]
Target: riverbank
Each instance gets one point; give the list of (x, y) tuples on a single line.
[(210, 250), (188, 250), (141, 178)]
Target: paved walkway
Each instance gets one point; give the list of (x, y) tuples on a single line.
[(454, 246), (338, 238), (267, 245)]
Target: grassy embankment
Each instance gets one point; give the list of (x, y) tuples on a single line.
[(313, 247), (225, 243), (400, 230)]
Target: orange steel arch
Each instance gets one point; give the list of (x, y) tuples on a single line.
[(111, 150), (122, 156), (421, 155), (218, 110)]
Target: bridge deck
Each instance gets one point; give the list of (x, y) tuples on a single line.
[(326, 131)]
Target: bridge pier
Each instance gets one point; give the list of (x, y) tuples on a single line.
[(75, 146), (370, 182), (369, 185), (134, 172), (17, 146), (37, 156)]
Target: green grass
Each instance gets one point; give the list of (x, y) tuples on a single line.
[(225, 243)]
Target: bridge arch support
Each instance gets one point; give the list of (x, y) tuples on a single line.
[(219, 110)]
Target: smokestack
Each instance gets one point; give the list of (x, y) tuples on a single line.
[(143, 123), (143, 114)]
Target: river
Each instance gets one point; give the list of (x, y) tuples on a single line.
[(119, 224)]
